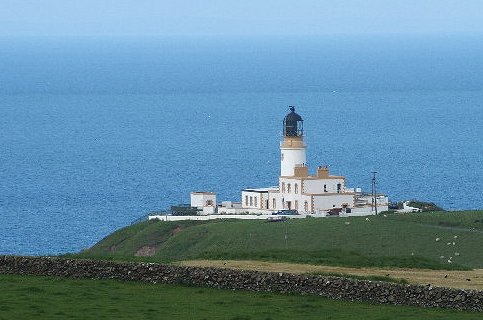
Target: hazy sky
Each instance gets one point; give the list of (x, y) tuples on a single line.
[(238, 17)]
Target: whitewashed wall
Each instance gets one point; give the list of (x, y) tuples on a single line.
[(199, 199), (327, 202), (317, 186)]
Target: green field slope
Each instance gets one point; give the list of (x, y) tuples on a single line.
[(420, 240), (28, 297)]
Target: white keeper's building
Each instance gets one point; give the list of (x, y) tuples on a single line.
[(317, 194)]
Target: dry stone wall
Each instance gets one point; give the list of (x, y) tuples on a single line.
[(331, 287)]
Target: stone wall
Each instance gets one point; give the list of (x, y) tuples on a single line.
[(332, 287)]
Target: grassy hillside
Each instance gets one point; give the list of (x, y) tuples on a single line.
[(411, 240), (28, 297)]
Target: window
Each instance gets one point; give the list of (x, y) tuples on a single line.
[(246, 201), (256, 201), (296, 205), (274, 204), (251, 201), (339, 187), (325, 188), (283, 187), (209, 203), (296, 188), (306, 206), (288, 188)]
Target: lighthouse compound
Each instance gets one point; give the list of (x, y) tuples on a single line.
[(298, 193)]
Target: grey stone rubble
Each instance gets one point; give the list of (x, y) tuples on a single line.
[(331, 287)]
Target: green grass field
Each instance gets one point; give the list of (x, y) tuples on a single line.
[(407, 240), (29, 297)]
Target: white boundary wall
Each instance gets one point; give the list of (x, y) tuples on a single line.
[(253, 216), (214, 216)]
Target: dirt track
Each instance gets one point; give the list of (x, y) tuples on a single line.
[(442, 278)]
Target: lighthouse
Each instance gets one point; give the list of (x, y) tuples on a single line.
[(299, 192), (292, 146)]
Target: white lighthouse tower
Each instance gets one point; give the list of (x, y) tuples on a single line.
[(292, 147)]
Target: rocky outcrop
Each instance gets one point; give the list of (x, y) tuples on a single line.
[(332, 287)]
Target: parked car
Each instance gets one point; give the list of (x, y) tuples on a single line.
[(335, 211)]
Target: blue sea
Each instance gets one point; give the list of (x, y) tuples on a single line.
[(97, 132)]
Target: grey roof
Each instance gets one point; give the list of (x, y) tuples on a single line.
[(293, 116)]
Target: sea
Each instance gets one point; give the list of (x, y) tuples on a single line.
[(96, 133)]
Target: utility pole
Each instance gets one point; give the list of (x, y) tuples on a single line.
[(374, 192)]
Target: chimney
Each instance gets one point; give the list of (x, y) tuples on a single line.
[(323, 172)]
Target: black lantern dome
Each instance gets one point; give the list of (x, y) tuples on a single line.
[(293, 125)]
